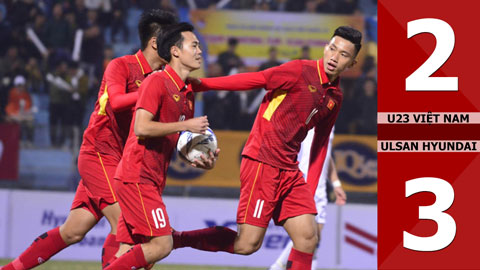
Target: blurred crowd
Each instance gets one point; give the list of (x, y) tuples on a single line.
[(48, 81), (312, 6), (52, 55)]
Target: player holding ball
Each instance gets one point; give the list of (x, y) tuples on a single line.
[(164, 108), (302, 94)]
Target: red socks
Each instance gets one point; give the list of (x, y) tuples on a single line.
[(133, 259), (112, 259), (49, 244), (44, 247), (299, 260), (110, 247), (216, 238)]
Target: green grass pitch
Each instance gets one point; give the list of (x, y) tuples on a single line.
[(69, 265)]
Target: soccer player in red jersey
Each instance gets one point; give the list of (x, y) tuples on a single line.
[(102, 148), (164, 108), (303, 94)]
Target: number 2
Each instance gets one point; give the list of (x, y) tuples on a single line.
[(447, 227), (420, 80)]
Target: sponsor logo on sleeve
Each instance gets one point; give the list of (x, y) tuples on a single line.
[(330, 104)]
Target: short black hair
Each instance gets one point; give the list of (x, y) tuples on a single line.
[(232, 41), (351, 34), (151, 22), (171, 35)]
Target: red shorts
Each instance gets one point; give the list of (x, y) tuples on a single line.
[(143, 213), (95, 190), (83, 200), (268, 191)]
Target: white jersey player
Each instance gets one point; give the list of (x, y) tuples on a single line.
[(328, 171)]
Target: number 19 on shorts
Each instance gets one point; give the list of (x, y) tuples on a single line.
[(159, 218)]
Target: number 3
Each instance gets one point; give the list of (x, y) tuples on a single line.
[(420, 80), (446, 224)]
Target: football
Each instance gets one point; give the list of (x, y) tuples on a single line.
[(191, 145)]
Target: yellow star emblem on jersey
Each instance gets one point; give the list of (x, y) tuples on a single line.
[(312, 88), (138, 82), (176, 97)]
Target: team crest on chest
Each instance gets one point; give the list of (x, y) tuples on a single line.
[(138, 83), (312, 88), (176, 97), (330, 104)]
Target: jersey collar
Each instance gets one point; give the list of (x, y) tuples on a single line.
[(146, 69), (179, 83), (323, 76)]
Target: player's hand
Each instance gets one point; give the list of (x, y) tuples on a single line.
[(206, 163), (194, 81), (197, 124), (341, 196)]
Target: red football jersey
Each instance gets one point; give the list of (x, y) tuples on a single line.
[(300, 97), (109, 123), (145, 160)]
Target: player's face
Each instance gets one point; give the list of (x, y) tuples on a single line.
[(190, 55), (338, 55)]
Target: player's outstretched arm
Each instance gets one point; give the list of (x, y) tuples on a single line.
[(237, 82), (283, 76), (145, 127)]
